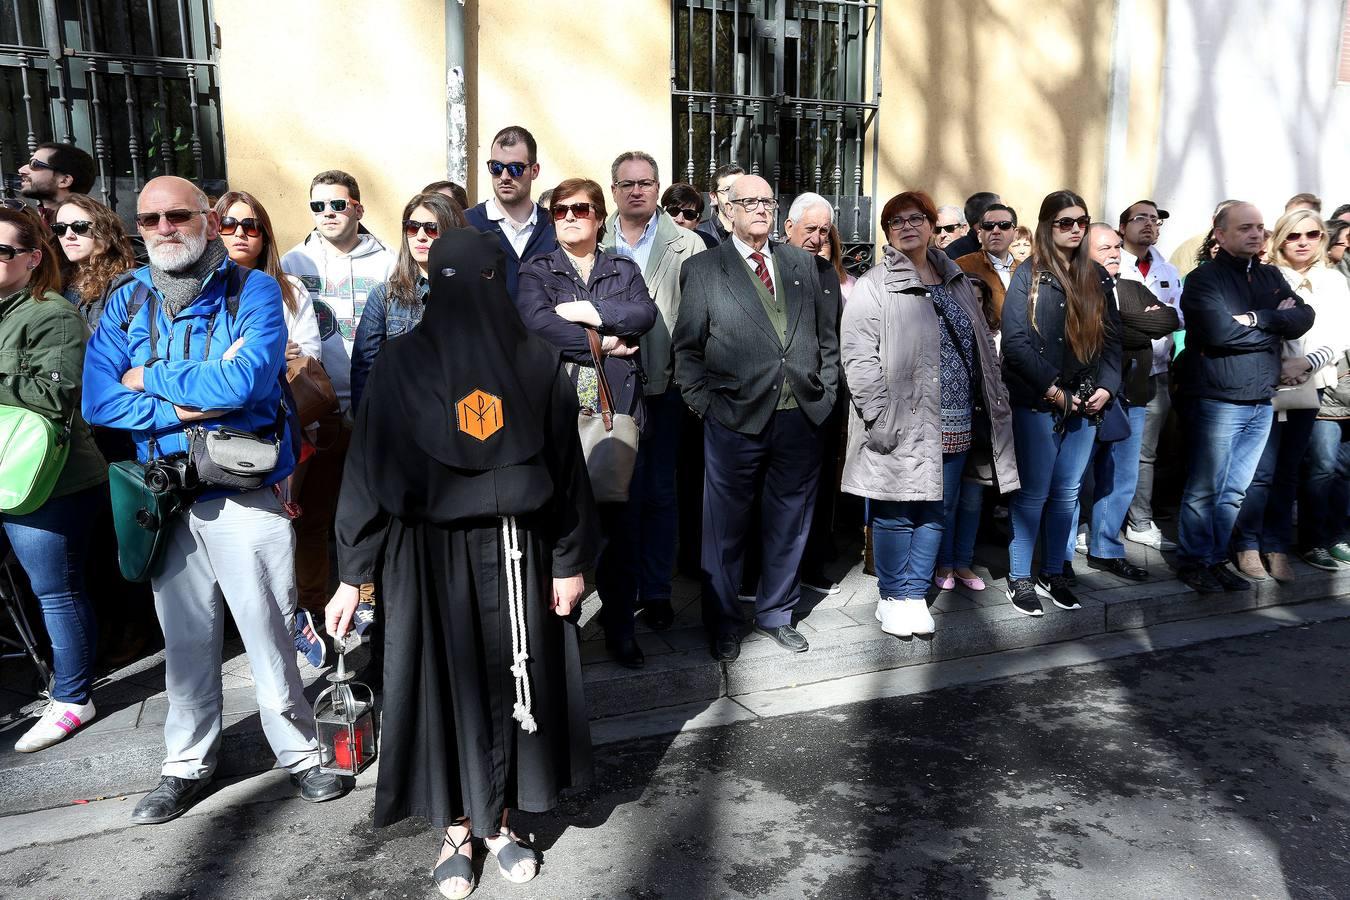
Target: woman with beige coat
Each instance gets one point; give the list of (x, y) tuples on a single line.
[(924, 377)]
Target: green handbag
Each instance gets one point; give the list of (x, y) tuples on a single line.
[(33, 451), (141, 518)]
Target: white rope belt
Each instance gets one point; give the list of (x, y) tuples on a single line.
[(520, 649)]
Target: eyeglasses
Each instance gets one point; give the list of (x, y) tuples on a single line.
[(627, 187), (338, 205), (1144, 217), (750, 204), (688, 213), (7, 252), (59, 229), (230, 225), (1066, 223), (36, 163), (1003, 225), (913, 221), (175, 217), (947, 229), (579, 210), (1313, 235), (411, 227), (517, 169)]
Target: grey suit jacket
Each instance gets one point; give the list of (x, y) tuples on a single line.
[(730, 362)]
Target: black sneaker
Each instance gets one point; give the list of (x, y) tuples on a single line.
[(1228, 579), (1022, 595), (1058, 589), (1199, 579), (1070, 575)]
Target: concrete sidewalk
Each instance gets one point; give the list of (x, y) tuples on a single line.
[(121, 751)]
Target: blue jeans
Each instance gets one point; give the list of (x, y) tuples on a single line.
[(1050, 467), (961, 512), (1115, 473), (1227, 440), (1324, 502), (652, 509), (907, 534), (51, 544), (1265, 521)]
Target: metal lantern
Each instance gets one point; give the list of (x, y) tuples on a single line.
[(344, 719)]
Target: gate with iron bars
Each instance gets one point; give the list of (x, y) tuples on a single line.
[(132, 82), (790, 90)]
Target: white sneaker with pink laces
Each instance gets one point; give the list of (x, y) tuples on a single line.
[(58, 722)]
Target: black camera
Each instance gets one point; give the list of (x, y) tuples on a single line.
[(1083, 391), (170, 473)]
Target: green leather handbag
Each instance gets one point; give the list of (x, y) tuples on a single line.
[(142, 517), (33, 451)]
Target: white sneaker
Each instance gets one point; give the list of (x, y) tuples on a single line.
[(1150, 537), (1081, 545), (892, 616), (920, 617), (58, 722)]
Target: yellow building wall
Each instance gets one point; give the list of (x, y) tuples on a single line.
[(309, 85)]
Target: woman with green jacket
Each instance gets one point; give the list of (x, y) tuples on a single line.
[(41, 361)]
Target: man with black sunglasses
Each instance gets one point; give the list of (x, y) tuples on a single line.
[(53, 173), (993, 263), (975, 206), (951, 225), (524, 228)]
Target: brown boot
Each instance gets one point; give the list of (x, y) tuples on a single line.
[(1249, 564), (1279, 567)]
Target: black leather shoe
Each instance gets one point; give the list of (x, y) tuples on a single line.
[(786, 637), (658, 614), (626, 652), (169, 800), (1230, 580), (316, 786), (726, 647), (1199, 579), (1122, 567)]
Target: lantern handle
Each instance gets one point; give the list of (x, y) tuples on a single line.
[(341, 674)]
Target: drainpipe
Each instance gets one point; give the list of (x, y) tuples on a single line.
[(456, 95)]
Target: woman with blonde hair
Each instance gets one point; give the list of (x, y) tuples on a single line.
[(95, 253)]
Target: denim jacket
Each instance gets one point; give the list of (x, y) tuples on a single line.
[(381, 319)]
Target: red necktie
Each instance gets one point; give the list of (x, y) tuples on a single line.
[(762, 271)]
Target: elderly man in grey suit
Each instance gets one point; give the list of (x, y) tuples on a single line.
[(641, 231), (757, 357)]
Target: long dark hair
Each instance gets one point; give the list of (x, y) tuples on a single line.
[(403, 283), (34, 234), (111, 257), (269, 260), (1085, 312)]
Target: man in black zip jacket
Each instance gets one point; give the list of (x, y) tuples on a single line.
[(1237, 313)]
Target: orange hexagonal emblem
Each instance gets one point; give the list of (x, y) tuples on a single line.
[(479, 415)]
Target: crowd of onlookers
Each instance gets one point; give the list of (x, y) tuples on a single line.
[(986, 373)]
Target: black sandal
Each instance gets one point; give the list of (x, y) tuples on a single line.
[(457, 865), (513, 853)]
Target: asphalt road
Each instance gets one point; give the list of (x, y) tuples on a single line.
[(1219, 771)]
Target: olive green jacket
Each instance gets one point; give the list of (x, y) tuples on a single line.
[(41, 368)]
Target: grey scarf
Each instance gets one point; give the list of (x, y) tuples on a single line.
[(184, 286)]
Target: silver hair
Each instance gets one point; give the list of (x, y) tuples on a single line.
[(633, 156), (954, 210), (806, 201)]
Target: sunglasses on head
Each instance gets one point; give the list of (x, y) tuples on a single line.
[(688, 213), (13, 203), (230, 225), (175, 217), (947, 229), (338, 205), (516, 169), (7, 252), (579, 210), (59, 229), (1003, 225), (1066, 224), (411, 227), (1313, 235)]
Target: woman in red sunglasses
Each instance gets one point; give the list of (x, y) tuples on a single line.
[(95, 253)]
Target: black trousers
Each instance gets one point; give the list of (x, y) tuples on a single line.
[(775, 473)]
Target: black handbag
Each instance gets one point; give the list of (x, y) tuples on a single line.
[(1115, 424)]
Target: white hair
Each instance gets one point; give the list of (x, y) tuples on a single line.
[(806, 201), (954, 210)]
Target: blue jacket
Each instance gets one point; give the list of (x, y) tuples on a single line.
[(190, 373), (1225, 359), (381, 320), (542, 240)]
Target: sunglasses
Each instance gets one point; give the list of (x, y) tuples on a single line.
[(175, 217), (338, 205), (946, 229), (39, 164), (411, 227), (516, 169), (688, 213), (1001, 226), (230, 225), (13, 203), (1066, 223), (1313, 235), (7, 252), (59, 229), (579, 210)]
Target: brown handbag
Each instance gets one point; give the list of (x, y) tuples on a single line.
[(609, 440), (311, 388)]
